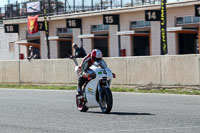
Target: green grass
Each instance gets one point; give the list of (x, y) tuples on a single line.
[(114, 89), (160, 90)]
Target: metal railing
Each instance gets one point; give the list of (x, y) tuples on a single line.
[(55, 7)]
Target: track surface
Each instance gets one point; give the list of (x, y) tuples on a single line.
[(41, 111)]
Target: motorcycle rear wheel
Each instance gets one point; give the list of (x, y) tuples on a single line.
[(80, 103), (107, 101)]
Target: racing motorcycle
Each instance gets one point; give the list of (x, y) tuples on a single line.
[(96, 91)]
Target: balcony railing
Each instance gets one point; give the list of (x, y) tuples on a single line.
[(55, 7)]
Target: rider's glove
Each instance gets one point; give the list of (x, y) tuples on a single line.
[(87, 75)]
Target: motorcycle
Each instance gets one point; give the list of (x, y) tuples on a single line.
[(96, 91)]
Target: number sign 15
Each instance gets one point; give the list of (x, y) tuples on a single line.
[(111, 19), (11, 28), (152, 15), (74, 23)]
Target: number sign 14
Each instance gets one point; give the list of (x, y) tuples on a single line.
[(152, 15)]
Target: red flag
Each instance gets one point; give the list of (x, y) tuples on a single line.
[(32, 24)]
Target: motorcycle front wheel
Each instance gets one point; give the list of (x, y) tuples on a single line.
[(107, 101), (80, 103)]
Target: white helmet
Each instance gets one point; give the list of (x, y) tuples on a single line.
[(96, 55)]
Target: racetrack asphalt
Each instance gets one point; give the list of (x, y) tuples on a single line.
[(49, 111)]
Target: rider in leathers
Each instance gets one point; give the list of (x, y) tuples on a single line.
[(84, 67)]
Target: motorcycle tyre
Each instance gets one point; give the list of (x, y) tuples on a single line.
[(109, 101)]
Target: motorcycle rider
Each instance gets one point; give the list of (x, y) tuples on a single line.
[(84, 68)]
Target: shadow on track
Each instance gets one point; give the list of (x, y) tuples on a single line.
[(122, 113)]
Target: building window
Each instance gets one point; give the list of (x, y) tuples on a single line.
[(134, 24), (179, 20), (187, 20), (64, 30), (94, 28), (147, 23), (100, 27), (11, 47), (196, 19), (140, 24)]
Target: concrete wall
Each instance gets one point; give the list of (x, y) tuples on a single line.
[(9, 71), (153, 70), (136, 70), (47, 71), (180, 70)]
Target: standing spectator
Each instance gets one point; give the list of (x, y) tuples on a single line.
[(79, 51), (33, 53)]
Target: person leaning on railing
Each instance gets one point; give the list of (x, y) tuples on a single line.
[(79, 51), (33, 53)]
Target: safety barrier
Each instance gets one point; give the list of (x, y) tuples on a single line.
[(152, 70)]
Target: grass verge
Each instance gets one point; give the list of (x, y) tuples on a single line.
[(184, 91)]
